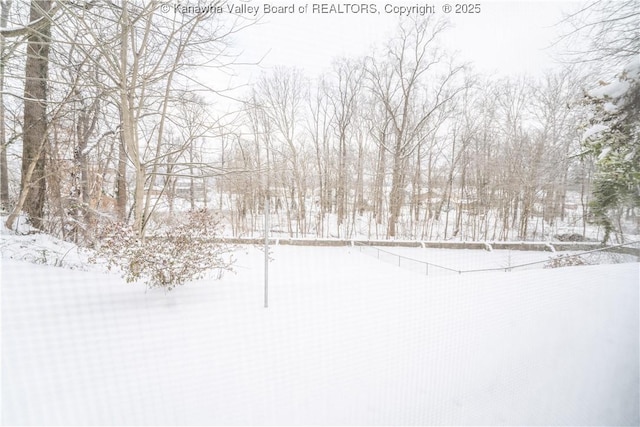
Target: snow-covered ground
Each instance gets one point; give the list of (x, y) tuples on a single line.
[(346, 339)]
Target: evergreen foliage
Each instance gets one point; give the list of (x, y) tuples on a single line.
[(614, 141)]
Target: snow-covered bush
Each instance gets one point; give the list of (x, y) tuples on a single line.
[(185, 252), (571, 237), (565, 261)]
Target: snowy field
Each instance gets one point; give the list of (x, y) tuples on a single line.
[(347, 339)]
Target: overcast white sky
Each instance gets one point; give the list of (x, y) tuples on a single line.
[(505, 37)]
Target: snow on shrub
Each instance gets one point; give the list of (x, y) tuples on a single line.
[(185, 252), (565, 261)]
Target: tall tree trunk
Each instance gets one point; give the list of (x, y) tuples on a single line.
[(86, 123), (121, 182), (35, 114), (129, 129), (415, 194), (378, 208), (341, 197), (192, 185), (322, 197), (4, 174), (358, 201), (428, 214), (396, 197)]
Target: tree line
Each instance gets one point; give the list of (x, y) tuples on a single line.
[(106, 111)]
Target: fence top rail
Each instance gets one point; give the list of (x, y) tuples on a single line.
[(428, 243), (412, 259), (601, 249)]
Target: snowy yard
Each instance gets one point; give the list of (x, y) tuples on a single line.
[(347, 339)]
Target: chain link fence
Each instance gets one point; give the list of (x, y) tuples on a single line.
[(615, 254)]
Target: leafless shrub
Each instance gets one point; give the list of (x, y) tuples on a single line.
[(565, 261), (183, 253)]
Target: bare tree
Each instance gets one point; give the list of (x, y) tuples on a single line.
[(318, 125), (5, 7), (348, 79), (282, 94), (144, 54), (555, 104), (604, 32), (34, 137), (400, 84)]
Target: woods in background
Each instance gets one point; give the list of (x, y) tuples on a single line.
[(106, 116)]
